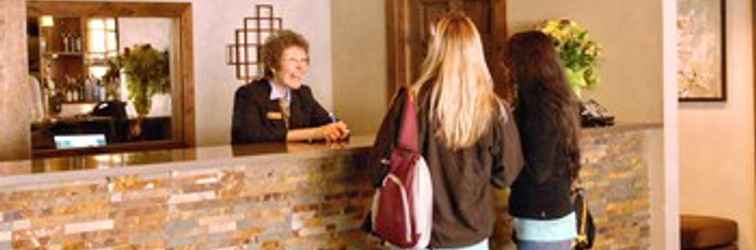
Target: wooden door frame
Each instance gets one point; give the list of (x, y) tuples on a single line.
[(397, 41), (397, 12), (183, 113)]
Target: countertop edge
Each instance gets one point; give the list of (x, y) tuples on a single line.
[(621, 127), (15, 181), (89, 175)]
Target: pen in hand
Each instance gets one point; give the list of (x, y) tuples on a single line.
[(345, 131), (332, 117)]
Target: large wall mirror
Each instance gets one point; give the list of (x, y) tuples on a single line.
[(109, 76)]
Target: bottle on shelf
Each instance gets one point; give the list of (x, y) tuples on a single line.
[(88, 95), (66, 42), (103, 91), (70, 89), (72, 43), (95, 89), (86, 90), (79, 90), (51, 96), (69, 95), (77, 43), (56, 99)]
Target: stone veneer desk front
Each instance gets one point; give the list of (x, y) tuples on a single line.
[(268, 196)]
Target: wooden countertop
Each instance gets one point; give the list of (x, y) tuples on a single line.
[(160, 161), (89, 167), (622, 127)]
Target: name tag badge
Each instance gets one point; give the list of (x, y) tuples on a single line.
[(274, 116)]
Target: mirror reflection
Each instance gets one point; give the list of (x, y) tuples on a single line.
[(101, 81)]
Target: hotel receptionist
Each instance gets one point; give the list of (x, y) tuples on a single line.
[(279, 107)]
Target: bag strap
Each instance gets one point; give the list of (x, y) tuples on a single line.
[(583, 211), (582, 233), (408, 129)]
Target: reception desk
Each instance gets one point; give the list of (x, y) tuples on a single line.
[(268, 196)]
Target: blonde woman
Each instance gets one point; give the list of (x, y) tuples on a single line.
[(467, 135)]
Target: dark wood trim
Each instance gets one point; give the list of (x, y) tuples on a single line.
[(500, 24), (182, 93), (187, 72), (120, 9), (396, 42), (502, 85), (723, 98)]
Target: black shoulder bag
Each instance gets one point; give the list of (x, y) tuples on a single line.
[(586, 230)]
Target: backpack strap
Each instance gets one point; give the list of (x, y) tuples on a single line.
[(408, 132)]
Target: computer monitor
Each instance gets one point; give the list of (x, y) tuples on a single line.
[(80, 141)]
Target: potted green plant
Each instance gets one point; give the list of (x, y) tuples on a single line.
[(147, 73), (578, 52)]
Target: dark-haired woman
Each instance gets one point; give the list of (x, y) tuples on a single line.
[(546, 116)]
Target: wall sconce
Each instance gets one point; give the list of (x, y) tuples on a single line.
[(46, 21)]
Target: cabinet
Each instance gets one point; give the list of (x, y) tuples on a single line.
[(62, 53), (63, 61)]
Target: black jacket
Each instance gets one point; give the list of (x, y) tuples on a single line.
[(542, 191), (257, 118), (463, 180)]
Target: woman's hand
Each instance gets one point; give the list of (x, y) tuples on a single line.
[(330, 133), (333, 131)]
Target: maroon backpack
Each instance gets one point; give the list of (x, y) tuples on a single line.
[(401, 212)]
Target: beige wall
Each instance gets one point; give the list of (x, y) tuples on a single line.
[(717, 139), (155, 31), (630, 32), (359, 63), (15, 102)]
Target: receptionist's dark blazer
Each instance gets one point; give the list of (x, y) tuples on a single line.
[(257, 118)]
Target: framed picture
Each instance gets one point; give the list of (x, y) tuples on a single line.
[(701, 51)]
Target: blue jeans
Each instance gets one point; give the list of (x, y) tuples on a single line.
[(483, 245), (544, 245)]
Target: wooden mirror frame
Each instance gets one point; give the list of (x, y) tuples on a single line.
[(182, 93)]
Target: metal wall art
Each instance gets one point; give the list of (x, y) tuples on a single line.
[(243, 53)]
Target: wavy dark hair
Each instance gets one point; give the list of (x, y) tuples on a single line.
[(542, 91)]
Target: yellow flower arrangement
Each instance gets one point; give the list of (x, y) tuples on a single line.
[(578, 52)]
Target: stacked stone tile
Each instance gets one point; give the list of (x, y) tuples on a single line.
[(308, 201), (615, 176)]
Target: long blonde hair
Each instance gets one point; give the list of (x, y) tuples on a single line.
[(462, 96)]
